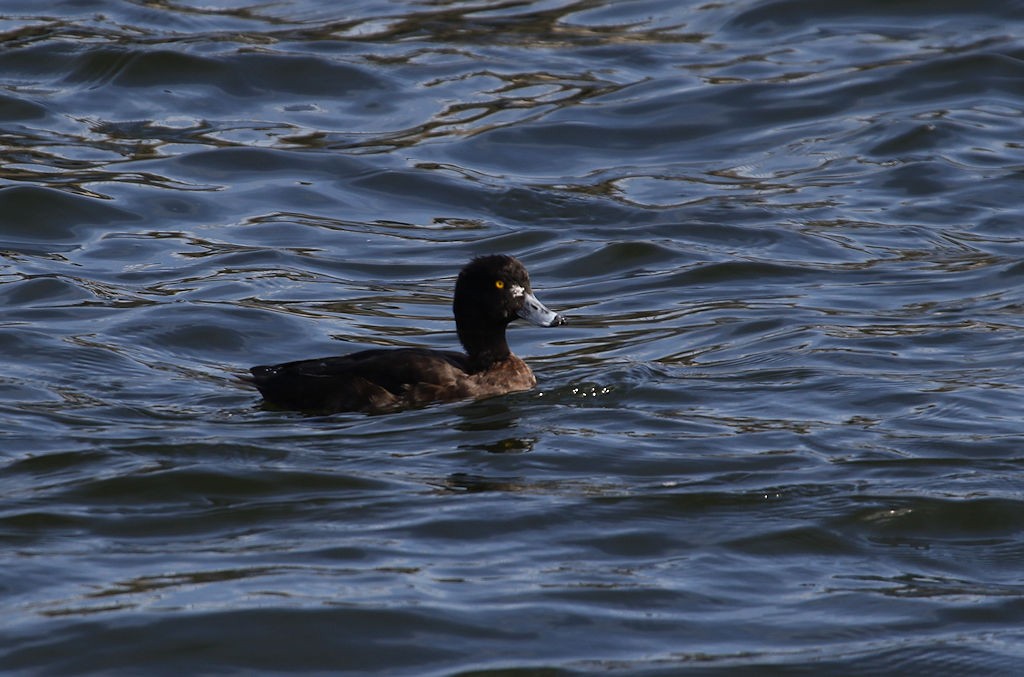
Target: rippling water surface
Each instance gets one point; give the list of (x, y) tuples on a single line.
[(781, 433)]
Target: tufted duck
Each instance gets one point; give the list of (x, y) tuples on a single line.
[(491, 292)]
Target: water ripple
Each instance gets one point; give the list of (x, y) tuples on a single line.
[(779, 429)]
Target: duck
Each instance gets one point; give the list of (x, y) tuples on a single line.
[(490, 292)]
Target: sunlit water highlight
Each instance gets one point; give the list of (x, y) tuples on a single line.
[(781, 431)]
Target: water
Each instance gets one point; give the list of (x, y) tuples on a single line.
[(781, 433)]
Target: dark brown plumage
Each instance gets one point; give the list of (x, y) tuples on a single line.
[(491, 291)]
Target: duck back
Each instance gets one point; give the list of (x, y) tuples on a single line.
[(374, 380)]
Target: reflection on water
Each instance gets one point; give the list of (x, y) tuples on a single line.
[(781, 429)]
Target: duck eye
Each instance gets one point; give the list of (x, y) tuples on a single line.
[(500, 284)]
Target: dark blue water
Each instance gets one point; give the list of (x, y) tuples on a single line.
[(781, 433)]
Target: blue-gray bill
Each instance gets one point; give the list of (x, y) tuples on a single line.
[(536, 312)]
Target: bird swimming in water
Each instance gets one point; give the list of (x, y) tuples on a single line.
[(491, 292)]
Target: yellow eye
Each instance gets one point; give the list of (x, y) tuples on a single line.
[(500, 284)]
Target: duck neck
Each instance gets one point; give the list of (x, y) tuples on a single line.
[(483, 348)]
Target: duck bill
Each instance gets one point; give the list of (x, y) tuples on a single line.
[(536, 312)]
